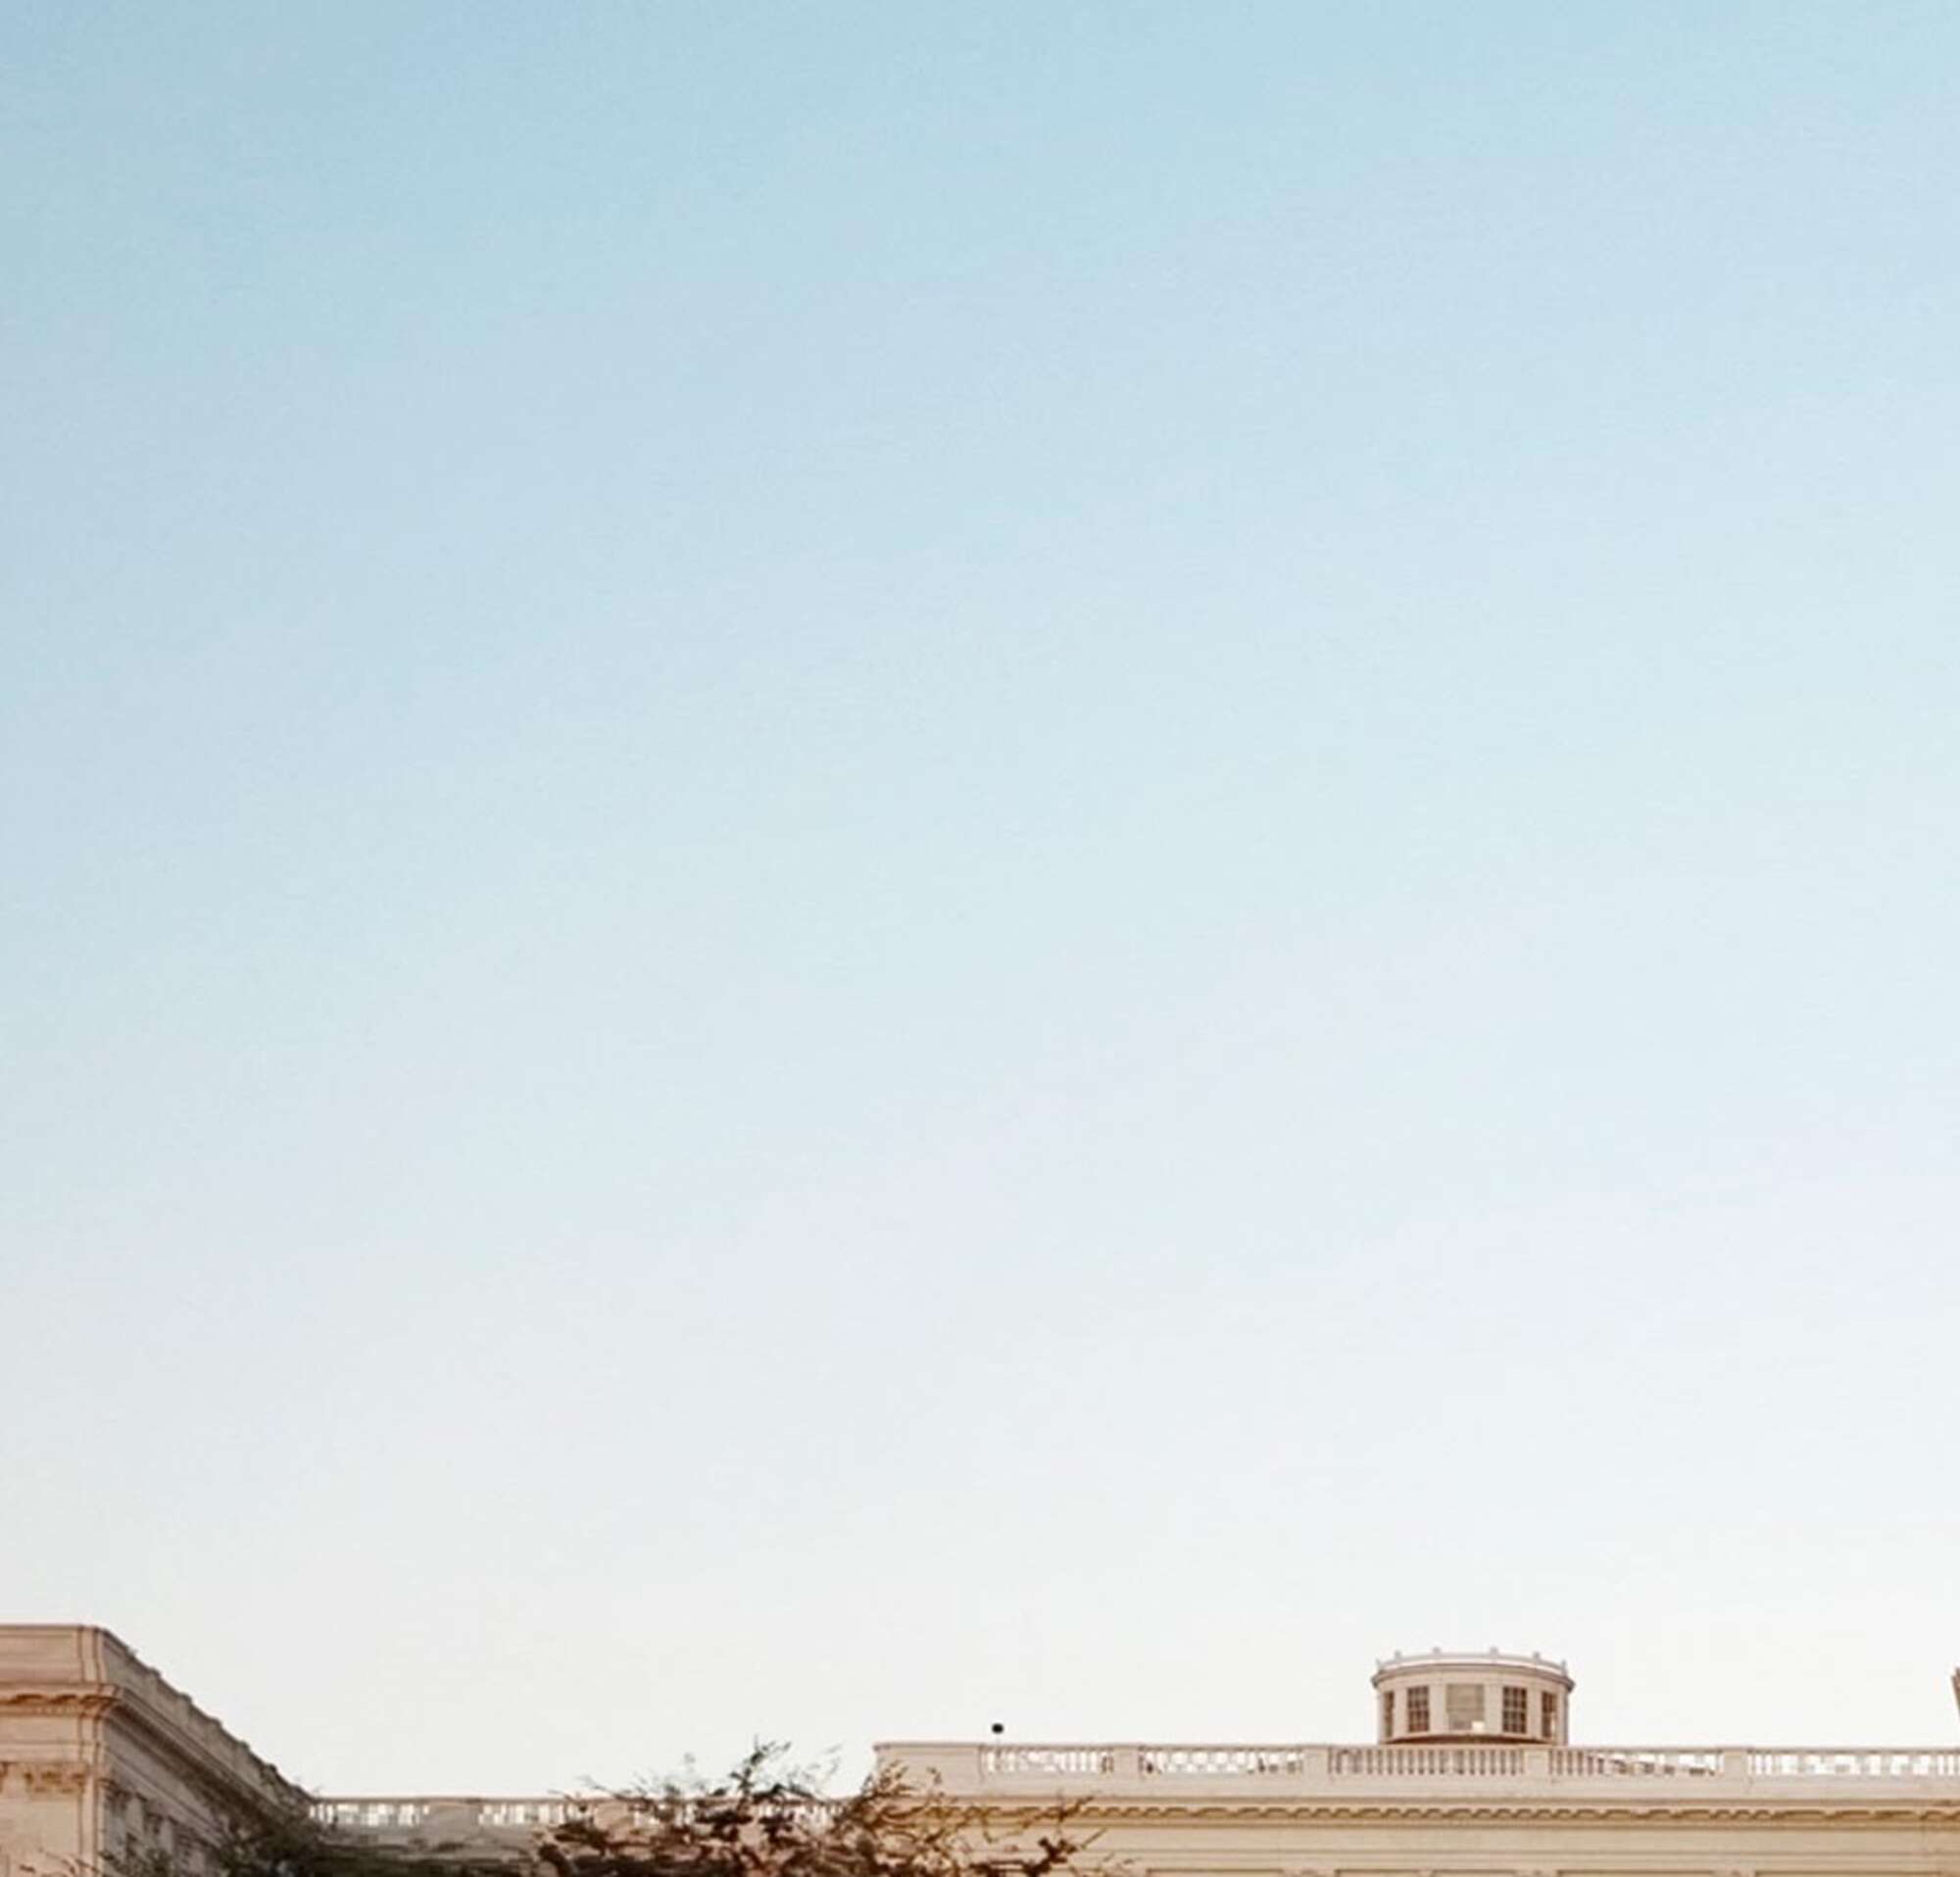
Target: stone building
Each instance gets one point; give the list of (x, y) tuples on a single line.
[(1472, 1772), (100, 1757)]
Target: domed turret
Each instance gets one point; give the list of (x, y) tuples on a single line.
[(1454, 1695)]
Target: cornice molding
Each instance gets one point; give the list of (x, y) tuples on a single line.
[(217, 1781), (61, 1704), (114, 1706)]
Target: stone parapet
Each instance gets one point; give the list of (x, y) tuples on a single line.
[(1342, 1773)]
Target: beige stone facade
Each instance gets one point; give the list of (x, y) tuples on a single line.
[(100, 1757), (1471, 1773)]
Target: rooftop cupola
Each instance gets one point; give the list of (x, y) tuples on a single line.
[(1456, 1695)]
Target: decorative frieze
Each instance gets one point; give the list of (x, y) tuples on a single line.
[(65, 1777)]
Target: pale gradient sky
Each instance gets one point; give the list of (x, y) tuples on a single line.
[(870, 866)]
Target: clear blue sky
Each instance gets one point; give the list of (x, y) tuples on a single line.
[(870, 866)]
